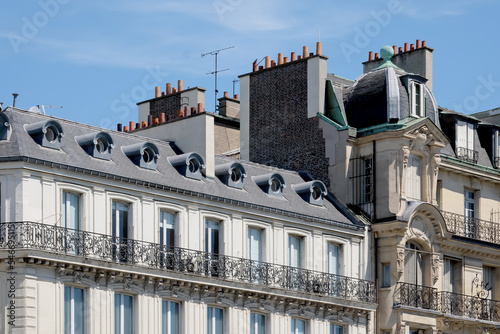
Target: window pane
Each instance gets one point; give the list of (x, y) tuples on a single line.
[(386, 275), (333, 259), (294, 251), (257, 323), (78, 311), (71, 210), (167, 228), (174, 318), (117, 313), (254, 244), (127, 314), (210, 320), (298, 326), (67, 310), (218, 321)]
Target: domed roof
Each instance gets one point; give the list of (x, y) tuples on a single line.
[(382, 95)]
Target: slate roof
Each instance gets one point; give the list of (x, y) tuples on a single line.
[(72, 156)]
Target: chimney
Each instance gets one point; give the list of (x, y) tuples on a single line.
[(169, 88), (267, 62), (179, 85), (292, 56), (305, 51), (157, 92), (15, 99), (319, 49), (370, 56), (280, 58), (119, 127), (229, 107), (131, 125), (416, 58)]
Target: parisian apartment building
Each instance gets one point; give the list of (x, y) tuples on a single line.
[(308, 203)]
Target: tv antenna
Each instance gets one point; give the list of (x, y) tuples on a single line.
[(216, 53), (234, 83), (41, 108)]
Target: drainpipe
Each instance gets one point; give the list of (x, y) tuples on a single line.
[(374, 181)]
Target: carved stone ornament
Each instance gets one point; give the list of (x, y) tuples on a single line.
[(422, 138), (406, 155), (435, 268), (401, 262), (436, 161)]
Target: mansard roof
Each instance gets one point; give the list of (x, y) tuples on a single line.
[(71, 157)]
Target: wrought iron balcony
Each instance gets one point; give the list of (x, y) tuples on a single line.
[(469, 306), (472, 227), (59, 240), (468, 155), (413, 295)]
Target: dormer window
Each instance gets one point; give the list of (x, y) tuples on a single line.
[(232, 174), (5, 128), (417, 99), (272, 184), (97, 144), (465, 141), (46, 133), (496, 148), (188, 164), (144, 155), (312, 191)]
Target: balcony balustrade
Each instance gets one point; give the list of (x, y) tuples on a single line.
[(472, 227), (468, 155), (469, 306), (413, 295), (59, 240)]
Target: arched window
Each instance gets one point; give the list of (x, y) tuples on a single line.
[(414, 264)]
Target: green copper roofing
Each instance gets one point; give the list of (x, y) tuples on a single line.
[(332, 107), (386, 52), (332, 122), (404, 123)]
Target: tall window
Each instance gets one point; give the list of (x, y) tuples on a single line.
[(71, 221), (169, 317), (452, 275), (215, 320), (334, 259), (212, 236), (413, 264), (298, 326), (167, 229), (120, 221), (386, 275), (336, 329), (257, 323), (124, 313), (417, 99), (489, 281), (414, 177), (71, 210), (295, 251), (255, 244), (465, 142), (73, 311), (469, 212)]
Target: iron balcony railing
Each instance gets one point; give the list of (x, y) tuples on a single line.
[(469, 306), (472, 227), (59, 240), (424, 297), (468, 155)]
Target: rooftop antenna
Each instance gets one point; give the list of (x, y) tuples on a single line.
[(15, 98), (42, 107), (216, 53), (234, 83)]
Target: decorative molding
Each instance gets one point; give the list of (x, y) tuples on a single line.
[(422, 138), (400, 262), (435, 268), (406, 155)]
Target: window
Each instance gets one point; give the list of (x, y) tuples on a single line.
[(73, 311), (124, 313), (414, 177), (362, 186), (334, 259), (469, 213), (212, 248), (386, 275), (465, 142), (452, 275), (489, 282), (295, 251), (298, 326), (215, 320), (167, 229), (417, 99), (336, 329), (257, 323), (413, 264), (120, 229), (255, 244), (71, 221), (169, 317)]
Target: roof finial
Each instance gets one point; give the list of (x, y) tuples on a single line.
[(386, 52)]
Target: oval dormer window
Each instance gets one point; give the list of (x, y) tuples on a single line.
[(97, 144), (275, 185), (46, 133), (272, 184), (231, 174), (312, 192), (144, 155), (188, 164), (316, 193), (148, 155)]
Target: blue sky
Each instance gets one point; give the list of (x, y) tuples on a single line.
[(98, 58)]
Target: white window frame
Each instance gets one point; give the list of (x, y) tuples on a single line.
[(452, 268), (304, 246), (255, 324), (335, 326), (181, 227), (465, 133), (122, 315), (175, 227), (266, 234), (296, 328), (168, 330), (212, 322), (72, 310), (84, 194), (223, 220), (345, 254), (133, 210), (414, 98)]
